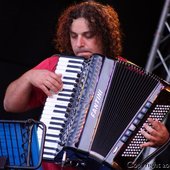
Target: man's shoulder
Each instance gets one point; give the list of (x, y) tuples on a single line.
[(48, 63), (54, 57)]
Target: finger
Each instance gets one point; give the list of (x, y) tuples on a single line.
[(155, 123), (148, 136), (59, 75), (46, 90), (150, 129), (56, 77), (145, 134), (146, 144), (54, 82), (53, 85)]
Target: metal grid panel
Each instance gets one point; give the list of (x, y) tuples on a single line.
[(159, 57)]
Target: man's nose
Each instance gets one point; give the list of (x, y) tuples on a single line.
[(80, 41)]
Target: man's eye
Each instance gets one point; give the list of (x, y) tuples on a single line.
[(72, 35), (89, 35)]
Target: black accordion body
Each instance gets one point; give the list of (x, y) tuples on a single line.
[(110, 101)]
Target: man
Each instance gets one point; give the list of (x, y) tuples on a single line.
[(83, 29)]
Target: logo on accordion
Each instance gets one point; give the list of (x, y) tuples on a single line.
[(96, 104)]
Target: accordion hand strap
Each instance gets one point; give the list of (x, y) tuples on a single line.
[(154, 154)]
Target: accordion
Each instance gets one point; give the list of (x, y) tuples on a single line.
[(100, 111)]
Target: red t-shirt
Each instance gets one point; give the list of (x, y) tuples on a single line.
[(38, 97)]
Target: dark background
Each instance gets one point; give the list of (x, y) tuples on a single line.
[(27, 28)]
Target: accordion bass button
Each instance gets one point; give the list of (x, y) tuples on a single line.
[(136, 121), (124, 139)]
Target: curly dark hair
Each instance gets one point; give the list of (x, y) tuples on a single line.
[(102, 19)]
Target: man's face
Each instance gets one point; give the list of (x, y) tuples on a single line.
[(83, 41)]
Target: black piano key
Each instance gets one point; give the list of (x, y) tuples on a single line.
[(59, 111), (72, 71), (60, 106), (73, 61), (74, 66), (53, 135), (62, 99), (69, 83), (51, 141), (57, 118), (54, 128), (64, 94), (69, 78), (68, 90), (47, 147)]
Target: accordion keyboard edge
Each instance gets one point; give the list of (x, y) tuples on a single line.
[(59, 110)]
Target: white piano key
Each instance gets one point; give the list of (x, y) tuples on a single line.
[(47, 150), (53, 100), (70, 62), (51, 144), (66, 92), (52, 107), (53, 131), (68, 86), (64, 59), (53, 122), (46, 112), (51, 126), (49, 156), (57, 128), (46, 117), (45, 156), (68, 80), (48, 121), (49, 138), (56, 139), (60, 94), (64, 72), (68, 67), (56, 96)]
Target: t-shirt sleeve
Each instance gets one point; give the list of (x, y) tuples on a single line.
[(49, 63), (38, 97)]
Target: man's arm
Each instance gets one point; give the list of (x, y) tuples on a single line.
[(18, 93)]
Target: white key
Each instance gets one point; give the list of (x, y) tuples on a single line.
[(64, 59)]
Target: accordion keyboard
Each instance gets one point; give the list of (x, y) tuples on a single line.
[(55, 110)]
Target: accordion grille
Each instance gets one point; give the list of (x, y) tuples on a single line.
[(129, 88)]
